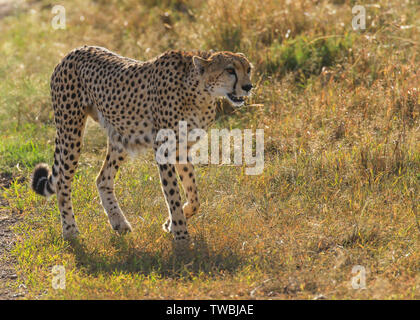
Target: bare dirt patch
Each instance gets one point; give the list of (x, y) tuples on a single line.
[(8, 7), (7, 239)]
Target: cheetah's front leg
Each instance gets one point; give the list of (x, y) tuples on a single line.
[(176, 224), (186, 174)]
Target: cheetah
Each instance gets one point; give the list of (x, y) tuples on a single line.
[(132, 100)]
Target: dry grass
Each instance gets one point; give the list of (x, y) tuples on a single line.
[(340, 110)]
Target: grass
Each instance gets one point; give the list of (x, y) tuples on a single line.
[(340, 113), (307, 57)]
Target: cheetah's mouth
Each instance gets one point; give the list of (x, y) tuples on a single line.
[(237, 101)]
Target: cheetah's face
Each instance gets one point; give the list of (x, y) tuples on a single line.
[(227, 75)]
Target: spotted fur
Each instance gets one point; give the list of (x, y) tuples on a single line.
[(132, 101)]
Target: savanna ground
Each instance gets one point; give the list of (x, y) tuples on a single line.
[(340, 186)]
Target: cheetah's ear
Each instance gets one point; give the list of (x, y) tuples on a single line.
[(240, 54), (200, 64)]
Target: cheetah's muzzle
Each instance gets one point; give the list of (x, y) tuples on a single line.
[(236, 100)]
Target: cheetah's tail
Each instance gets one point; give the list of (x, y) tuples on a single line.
[(41, 181)]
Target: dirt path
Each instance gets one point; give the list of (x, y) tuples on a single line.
[(7, 217), (8, 7), (7, 240)]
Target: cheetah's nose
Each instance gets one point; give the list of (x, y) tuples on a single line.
[(247, 87)]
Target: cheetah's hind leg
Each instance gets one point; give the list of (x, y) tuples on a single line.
[(105, 183)]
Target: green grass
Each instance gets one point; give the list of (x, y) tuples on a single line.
[(340, 113), (20, 150), (307, 57)]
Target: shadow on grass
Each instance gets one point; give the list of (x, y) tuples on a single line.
[(197, 259)]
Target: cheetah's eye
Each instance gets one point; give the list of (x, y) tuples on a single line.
[(249, 70), (230, 70)]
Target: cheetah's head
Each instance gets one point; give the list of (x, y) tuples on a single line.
[(226, 74)]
